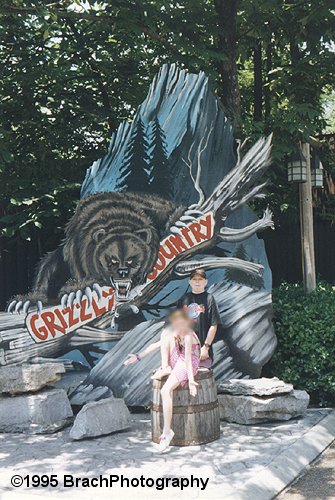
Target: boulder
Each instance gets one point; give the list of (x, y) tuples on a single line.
[(15, 379), (83, 394), (100, 418), (45, 412), (257, 387), (70, 381), (247, 410)]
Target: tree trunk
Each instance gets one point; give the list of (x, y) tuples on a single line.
[(306, 227), (258, 82), (267, 96), (227, 44)]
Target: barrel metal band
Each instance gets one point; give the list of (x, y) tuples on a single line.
[(188, 409), (201, 375)]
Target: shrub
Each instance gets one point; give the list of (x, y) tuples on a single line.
[(305, 327)]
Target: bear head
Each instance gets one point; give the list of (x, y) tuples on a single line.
[(123, 260)]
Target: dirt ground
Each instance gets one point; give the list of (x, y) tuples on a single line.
[(319, 481)]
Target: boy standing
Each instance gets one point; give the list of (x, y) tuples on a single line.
[(202, 309)]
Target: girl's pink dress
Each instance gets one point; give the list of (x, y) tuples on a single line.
[(177, 360)]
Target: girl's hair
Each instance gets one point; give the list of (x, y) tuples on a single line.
[(178, 314)]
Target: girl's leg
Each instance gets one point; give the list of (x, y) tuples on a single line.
[(165, 349), (165, 355), (167, 401)]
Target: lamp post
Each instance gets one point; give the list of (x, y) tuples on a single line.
[(300, 171)]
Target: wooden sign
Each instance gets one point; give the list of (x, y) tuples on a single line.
[(194, 234), (57, 321)]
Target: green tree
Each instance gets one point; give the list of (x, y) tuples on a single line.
[(160, 173), (135, 171)]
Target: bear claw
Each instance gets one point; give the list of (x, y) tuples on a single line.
[(88, 293), (20, 306), (26, 306), (11, 306), (70, 299), (63, 300), (97, 288), (79, 296)]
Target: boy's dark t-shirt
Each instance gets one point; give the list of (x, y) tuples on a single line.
[(202, 309)]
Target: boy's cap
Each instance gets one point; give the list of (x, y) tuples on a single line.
[(198, 272)]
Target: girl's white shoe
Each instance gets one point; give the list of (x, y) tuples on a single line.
[(164, 441)]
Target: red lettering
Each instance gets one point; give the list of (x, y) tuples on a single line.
[(97, 310), (195, 227), (70, 312), (83, 315), (189, 240), (151, 276), (161, 262), (49, 320), (177, 241), (41, 333), (110, 302), (207, 222), (169, 252), (61, 318)]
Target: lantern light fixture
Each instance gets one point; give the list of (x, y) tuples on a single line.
[(316, 171), (297, 167)]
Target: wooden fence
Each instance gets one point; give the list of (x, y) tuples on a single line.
[(283, 247)]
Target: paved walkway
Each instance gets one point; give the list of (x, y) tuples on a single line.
[(245, 463), (318, 483)]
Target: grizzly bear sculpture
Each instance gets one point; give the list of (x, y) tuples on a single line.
[(111, 240)]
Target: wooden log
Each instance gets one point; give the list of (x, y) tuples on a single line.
[(195, 420), (17, 345)]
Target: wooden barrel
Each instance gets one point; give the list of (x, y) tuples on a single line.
[(195, 420)]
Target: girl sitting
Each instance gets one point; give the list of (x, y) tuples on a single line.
[(180, 358)]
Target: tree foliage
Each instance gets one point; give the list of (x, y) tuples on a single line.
[(70, 71)]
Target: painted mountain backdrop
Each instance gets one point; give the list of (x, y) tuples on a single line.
[(180, 133)]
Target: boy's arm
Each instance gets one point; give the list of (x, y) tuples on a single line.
[(192, 384), (188, 358), (208, 342), (215, 320)]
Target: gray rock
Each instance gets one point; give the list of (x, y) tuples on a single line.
[(257, 387), (87, 394), (70, 381), (15, 379), (254, 409), (100, 418), (45, 412)]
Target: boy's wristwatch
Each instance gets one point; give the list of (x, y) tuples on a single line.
[(206, 344)]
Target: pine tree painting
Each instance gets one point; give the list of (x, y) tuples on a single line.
[(135, 171), (160, 174), (241, 277)]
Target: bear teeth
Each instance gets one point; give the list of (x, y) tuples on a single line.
[(122, 288)]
